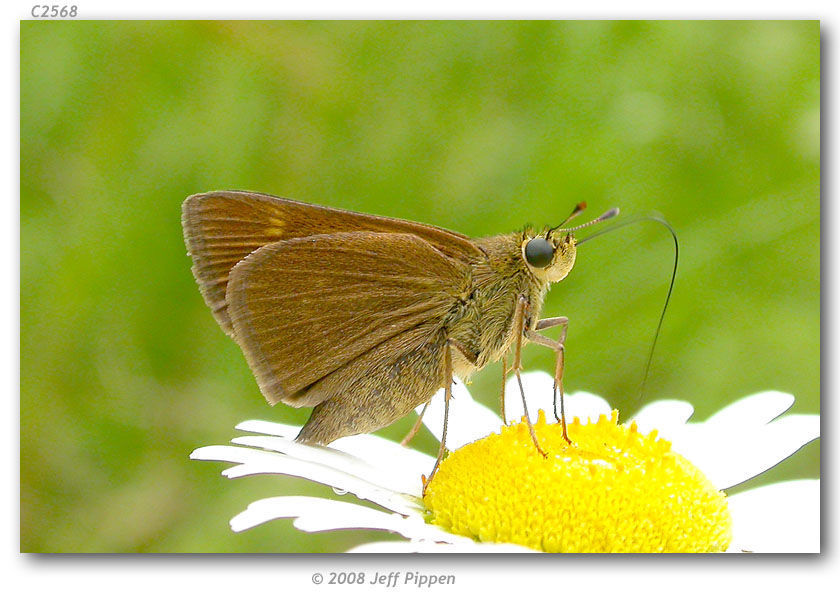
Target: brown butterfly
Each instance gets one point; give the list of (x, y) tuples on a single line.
[(363, 318)]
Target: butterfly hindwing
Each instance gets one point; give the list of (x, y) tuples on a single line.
[(302, 309)]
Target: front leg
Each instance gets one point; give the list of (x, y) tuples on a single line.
[(560, 350)]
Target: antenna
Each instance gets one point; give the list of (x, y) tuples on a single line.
[(656, 217), (607, 215), (581, 206), (578, 209)]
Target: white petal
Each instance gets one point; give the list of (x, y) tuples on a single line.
[(410, 464), (407, 547), (539, 395), (403, 480), (781, 517), (666, 416), (754, 410), (468, 420), (319, 514), (585, 406), (370, 448), (740, 441), (256, 462), (539, 389), (234, 454), (269, 428), (731, 455), (467, 546)]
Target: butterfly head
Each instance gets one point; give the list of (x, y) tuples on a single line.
[(551, 255)]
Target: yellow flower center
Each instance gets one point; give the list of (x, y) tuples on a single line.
[(612, 490)]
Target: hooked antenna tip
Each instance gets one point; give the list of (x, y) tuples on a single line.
[(609, 214)]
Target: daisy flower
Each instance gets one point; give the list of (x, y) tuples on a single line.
[(653, 485)]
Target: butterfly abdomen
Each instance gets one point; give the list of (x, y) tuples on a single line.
[(387, 391)]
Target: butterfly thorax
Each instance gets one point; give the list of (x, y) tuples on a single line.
[(482, 321)]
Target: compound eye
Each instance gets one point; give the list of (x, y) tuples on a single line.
[(539, 252)]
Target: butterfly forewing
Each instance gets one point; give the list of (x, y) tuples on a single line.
[(304, 308), (222, 228)]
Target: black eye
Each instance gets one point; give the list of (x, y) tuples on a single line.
[(539, 252)]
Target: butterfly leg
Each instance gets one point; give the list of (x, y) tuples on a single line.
[(560, 350), (502, 397), (471, 357), (522, 306), (447, 396), (410, 435)]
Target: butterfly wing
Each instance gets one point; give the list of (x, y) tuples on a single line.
[(302, 309), (222, 228)]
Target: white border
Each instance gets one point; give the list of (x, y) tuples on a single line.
[(278, 577)]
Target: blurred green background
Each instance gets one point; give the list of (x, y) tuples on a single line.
[(480, 127)]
